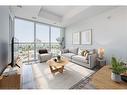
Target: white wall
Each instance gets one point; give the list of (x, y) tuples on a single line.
[(4, 27), (4, 23), (109, 31)]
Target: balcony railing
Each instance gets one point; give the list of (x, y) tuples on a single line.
[(29, 51)]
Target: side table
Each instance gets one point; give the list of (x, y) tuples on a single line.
[(101, 62)]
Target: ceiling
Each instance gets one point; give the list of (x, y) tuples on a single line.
[(58, 15)]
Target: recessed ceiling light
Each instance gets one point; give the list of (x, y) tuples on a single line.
[(34, 18), (19, 6)]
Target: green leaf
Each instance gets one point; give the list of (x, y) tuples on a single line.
[(117, 66)]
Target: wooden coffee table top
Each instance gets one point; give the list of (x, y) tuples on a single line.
[(51, 62), (102, 80)]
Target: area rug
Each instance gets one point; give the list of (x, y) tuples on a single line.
[(72, 74), (84, 84)]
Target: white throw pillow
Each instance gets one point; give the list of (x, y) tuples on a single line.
[(80, 51)]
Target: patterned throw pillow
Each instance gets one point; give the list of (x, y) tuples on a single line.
[(82, 53), (86, 52), (86, 56)]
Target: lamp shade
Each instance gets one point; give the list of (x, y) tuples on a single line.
[(101, 52)]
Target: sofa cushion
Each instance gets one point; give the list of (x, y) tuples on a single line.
[(73, 50), (68, 55), (80, 58), (65, 51)]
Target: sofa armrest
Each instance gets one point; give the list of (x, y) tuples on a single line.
[(92, 60)]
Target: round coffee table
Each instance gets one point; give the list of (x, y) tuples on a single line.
[(57, 67)]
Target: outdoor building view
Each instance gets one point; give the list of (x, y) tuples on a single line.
[(29, 40)]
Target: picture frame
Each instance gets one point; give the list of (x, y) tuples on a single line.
[(86, 37), (76, 38)]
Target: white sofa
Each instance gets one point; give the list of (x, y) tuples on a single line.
[(72, 55)]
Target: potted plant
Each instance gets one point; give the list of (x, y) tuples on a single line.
[(117, 69)]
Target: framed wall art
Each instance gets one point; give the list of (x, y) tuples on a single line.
[(76, 38), (86, 37)]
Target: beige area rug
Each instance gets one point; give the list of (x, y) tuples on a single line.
[(72, 74)]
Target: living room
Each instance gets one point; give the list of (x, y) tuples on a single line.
[(63, 47)]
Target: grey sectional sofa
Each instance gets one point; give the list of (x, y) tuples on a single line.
[(72, 55)]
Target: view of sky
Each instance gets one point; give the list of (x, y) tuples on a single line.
[(24, 31), (55, 33)]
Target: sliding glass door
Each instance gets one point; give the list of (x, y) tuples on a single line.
[(55, 36), (42, 38), (47, 38), (24, 39)]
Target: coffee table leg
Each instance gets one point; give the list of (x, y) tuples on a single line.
[(57, 70), (51, 69), (61, 69)]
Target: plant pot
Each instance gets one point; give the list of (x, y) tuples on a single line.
[(124, 78), (116, 77)]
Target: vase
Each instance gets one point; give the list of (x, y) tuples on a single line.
[(116, 77), (58, 57)]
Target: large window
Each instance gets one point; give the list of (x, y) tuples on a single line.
[(42, 37), (32, 36), (24, 39), (42, 33), (55, 36), (24, 30)]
